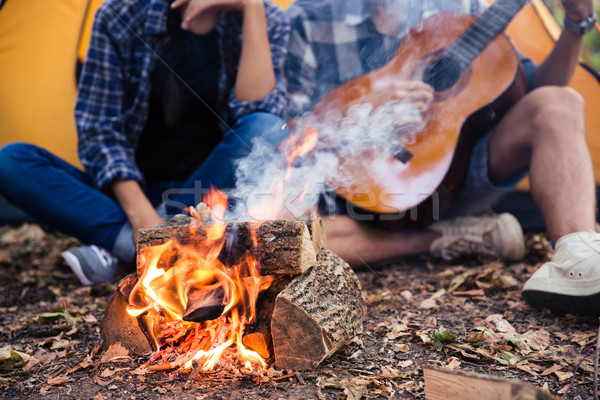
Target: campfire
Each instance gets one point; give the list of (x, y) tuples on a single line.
[(256, 294)]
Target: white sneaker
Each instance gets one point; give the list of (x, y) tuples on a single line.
[(91, 264), (497, 236), (570, 282)]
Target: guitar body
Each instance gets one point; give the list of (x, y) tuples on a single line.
[(418, 190)]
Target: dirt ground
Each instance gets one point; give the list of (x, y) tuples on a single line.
[(466, 315)]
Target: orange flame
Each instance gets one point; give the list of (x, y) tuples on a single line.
[(307, 143), (174, 273)]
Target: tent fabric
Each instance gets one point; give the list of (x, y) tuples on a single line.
[(38, 42)]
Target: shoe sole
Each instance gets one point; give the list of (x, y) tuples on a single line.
[(563, 304), (73, 262)]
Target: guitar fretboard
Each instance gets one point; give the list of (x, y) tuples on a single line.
[(489, 25)]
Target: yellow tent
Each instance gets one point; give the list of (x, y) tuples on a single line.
[(39, 42)]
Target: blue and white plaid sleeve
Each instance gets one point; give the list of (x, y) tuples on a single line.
[(301, 65), (276, 101), (105, 149)]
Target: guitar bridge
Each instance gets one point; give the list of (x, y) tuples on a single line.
[(401, 154)]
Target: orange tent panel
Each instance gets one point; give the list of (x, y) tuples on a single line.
[(534, 31)]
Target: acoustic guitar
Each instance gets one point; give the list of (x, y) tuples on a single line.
[(477, 76)]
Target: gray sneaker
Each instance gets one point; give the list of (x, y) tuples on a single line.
[(496, 236), (570, 282), (91, 264)]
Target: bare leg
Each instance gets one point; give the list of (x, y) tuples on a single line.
[(545, 132), (360, 244)]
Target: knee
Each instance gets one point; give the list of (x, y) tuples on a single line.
[(263, 125), (556, 112), (13, 157)]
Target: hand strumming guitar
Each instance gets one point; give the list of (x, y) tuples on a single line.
[(405, 101)]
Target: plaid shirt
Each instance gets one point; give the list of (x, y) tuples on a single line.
[(340, 34), (112, 106)]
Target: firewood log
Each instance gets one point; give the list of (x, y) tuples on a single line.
[(317, 231), (118, 326), (282, 247), (257, 334), (317, 313), (445, 384)]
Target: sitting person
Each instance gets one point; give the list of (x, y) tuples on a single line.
[(543, 134), (149, 135)]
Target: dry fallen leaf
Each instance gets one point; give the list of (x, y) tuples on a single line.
[(107, 373), (81, 365), (356, 388), (115, 353), (537, 340), (552, 369), (398, 330), (563, 376), (59, 380), (100, 382), (452, 363), (428, 303)]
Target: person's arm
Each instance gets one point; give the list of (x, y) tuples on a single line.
[(558, 68), (259, 84), (140, 212), (255, 78), (105, 141), (106, 146)]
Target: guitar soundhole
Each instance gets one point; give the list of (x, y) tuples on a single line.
[(442, 74)]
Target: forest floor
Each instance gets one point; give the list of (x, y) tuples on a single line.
[(467, 316)]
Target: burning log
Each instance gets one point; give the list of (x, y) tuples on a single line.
[(257, 287), (204, 305), (282, 247), (257, 335), (316, 314)]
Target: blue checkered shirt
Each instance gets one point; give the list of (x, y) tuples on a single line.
[(334, 41), (127, 40)]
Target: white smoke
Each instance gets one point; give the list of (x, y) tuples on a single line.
[(267, 188)]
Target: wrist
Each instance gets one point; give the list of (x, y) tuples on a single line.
[(580, 26)]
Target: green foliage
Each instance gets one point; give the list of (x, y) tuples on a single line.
[(53, 316), (441, 336)]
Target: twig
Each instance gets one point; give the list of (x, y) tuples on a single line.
[(564, 396), (300, 379), (283, 377), (193, 375), (596, 363)]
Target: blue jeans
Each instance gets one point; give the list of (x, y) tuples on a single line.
[(63, 197)]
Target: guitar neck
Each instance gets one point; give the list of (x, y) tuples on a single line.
[(489, 25)]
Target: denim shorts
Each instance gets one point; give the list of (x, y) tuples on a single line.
[(479, 194)]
